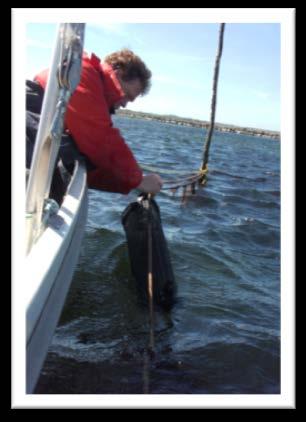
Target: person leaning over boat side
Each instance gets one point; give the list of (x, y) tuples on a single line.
[(103, 88)]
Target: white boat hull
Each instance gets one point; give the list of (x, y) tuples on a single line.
[(50, 266)]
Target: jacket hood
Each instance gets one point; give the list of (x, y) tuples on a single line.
[(112, 88)]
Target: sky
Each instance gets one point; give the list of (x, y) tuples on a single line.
[(181, 57)]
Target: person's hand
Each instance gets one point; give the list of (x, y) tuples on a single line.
[(152, 183)]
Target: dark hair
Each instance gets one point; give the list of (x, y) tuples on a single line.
[(132, 67)]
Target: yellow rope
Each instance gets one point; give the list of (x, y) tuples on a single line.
[(202, 172), (189, 180), (161, 170), (183, 181), (202, 175)]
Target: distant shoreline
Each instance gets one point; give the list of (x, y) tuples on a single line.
[(182, 121)]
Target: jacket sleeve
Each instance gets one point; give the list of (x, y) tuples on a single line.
[(88, 120)]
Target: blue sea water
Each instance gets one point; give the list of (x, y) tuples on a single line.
[(223, 334)]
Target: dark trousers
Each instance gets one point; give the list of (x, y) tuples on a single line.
[(68, 152)]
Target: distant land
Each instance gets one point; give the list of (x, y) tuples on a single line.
[(183, 121)]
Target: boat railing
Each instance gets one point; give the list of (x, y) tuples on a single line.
[(64, 76)]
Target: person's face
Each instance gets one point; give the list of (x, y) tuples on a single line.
[(131, 91)]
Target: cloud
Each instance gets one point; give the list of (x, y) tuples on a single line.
[(114, 29), (182, 83), (185, 58), (262, 95), (38, 44)]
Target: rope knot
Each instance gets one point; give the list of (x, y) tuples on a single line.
[(202, 175)]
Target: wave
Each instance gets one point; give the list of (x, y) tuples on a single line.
[(258, 179)]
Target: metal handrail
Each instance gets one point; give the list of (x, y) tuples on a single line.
[(64, 76)]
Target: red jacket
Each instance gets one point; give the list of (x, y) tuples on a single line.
[(89, 122)]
